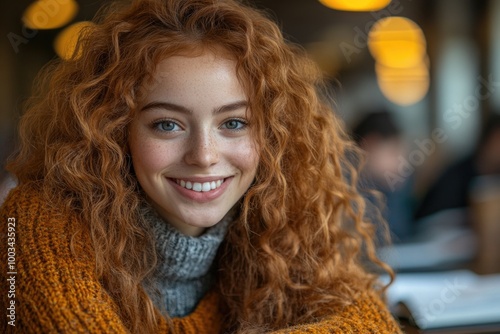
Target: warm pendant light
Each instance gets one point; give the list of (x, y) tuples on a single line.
[(356, 5), (66, 42), (49, 14), (397, 42), (404, 86)]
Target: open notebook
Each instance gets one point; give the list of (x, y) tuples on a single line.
[(447, 302)]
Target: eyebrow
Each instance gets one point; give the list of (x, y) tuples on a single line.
[(174, 107)]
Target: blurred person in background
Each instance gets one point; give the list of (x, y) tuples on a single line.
[(452, 188), (466, 197), (378, 135)]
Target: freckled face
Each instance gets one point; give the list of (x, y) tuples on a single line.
[(190, 141)]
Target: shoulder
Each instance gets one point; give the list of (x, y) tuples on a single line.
[(40, 226), (28, 204), (367, 314), (55, 281)]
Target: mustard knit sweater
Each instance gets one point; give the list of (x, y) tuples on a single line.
[(45, 289)]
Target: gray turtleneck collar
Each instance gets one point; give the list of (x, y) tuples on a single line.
[(184, 272)]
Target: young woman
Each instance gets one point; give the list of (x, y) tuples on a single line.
[(184, 174)]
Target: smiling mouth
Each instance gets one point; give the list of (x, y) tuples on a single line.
[(200, 186)]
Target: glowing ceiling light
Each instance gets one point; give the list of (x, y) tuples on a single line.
[(49, 14), (65, 43), (356, 5), (403, 86), (397, 42)]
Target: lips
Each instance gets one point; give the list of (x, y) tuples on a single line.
[(200, 186)]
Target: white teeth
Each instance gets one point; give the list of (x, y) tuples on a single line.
[(206, 186), (199, 187)]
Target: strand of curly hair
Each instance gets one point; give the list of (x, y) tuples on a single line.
[(296, 248)]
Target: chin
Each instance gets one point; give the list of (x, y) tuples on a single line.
[(205, 224)]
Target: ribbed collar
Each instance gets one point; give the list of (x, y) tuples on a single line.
[(183, 274)]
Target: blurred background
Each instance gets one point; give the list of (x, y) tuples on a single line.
[(416, 82)]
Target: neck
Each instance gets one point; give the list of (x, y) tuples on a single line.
[(184, 272)]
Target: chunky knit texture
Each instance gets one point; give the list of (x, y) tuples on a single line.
[(58, 293), (184, 272)]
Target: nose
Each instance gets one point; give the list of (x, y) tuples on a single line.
[(202, 150)]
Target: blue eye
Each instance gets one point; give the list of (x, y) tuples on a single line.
[(234, 124), (166, 126)]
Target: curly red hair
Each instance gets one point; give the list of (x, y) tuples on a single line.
[(302, 230)]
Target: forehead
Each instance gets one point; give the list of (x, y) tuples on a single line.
[(194, 53), (194, 81), (200, 65)]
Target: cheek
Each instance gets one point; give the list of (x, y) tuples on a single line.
[(149, 158), (147, 155), (245, 156)]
